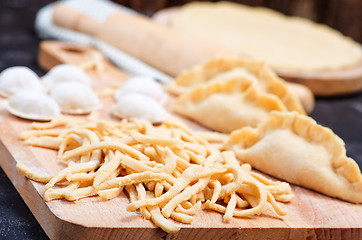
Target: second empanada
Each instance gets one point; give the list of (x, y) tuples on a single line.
[(222, 69), (228, 105)]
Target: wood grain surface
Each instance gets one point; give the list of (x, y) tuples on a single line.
[(311, 215)]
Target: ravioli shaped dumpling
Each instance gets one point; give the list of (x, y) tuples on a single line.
[(64, 73), (15, 79), (75, 98), (295, 148), (32, 105), (143, 85), (136, 105), (222, 69), (229, 105)]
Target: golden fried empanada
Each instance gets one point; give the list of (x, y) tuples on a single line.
[(229, 105), (295, 148), (222, 69)]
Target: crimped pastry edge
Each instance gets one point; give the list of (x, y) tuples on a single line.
[(189, 79), (307, 128)]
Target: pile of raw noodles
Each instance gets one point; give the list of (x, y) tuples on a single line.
[(167, 170)]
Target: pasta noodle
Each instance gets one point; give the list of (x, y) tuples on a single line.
[(168, 171)]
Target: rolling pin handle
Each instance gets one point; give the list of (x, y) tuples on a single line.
[(70, 19)]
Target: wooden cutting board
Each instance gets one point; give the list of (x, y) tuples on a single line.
[(322, 83), (311, 215)]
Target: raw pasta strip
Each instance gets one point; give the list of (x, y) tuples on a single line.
[(109, 194), (156, 140), (44, 141), (53, 194), (189, 175), (79, 193), (56, 122), (184, 195), (161, 221), (70, 141), (259, 208), (190, 211), (27, 172), (81, 167), (36, 133), (230, 208), (105, 145), (136, 178), (181, 217), (141, 192), (81, 177), (106, 169)]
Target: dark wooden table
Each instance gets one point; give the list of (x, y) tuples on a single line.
[(19, 46)]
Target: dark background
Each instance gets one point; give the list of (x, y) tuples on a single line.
[(19, 46)]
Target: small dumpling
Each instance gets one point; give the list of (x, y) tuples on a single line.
[(222, 69), (135, 105), (143, 85), (15, 79), (75, 98), (295, 148), (229, 105), (32, 105), (65, 73)]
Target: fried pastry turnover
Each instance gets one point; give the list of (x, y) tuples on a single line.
[(228, 105), (222, 69), (295, 148)]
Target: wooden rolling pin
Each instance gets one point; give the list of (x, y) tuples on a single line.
[(156, 45), (152, 43)]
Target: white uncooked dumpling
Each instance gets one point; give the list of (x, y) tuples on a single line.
[(143, 85), (15, 79), (32, 105), (64, 73), (75, 98), (135, 105)]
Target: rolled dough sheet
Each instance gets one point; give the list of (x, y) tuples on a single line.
[(286, 43)]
